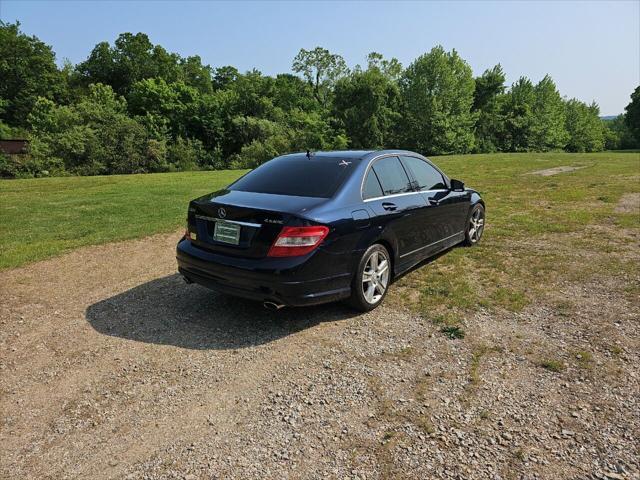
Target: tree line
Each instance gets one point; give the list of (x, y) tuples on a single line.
[(134, 107)]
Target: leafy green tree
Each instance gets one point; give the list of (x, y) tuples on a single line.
[(131, 59), (488, 86), (367, 103), (224, 76), (585, 130), (632, 116), (548, 130), (177, 103), (266, 139), (94, 136), (437, 91), (392, 69), (314, 131), (7, 131), (517, 112), (132, 106), (292, 93), (617, 134), (189, 154), (254, 93), (247, 104), (487, 101), (322, 69), (195, 74), (27, 71)]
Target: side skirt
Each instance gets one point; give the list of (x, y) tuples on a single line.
[(426, 252)]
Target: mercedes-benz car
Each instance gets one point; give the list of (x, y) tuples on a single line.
[(309, 228)]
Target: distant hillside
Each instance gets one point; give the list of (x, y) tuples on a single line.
[(608, 117)]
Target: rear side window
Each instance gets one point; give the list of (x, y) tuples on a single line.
[(318, 177), (427, 177), (392, 176), (371, 188)]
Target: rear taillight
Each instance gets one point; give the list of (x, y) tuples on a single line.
[(295, 241), (188, 234)]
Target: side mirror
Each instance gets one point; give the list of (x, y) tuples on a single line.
[(457, 185)]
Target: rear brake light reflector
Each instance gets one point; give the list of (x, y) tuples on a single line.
[(189, 234), (295, 241)]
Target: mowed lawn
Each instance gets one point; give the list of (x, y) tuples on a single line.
[(40, 218), (580, 227), (43, 217)]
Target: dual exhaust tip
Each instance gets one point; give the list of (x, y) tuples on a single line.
[(273, 306)]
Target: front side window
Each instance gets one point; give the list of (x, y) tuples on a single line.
[(427, 177), (392, 176)]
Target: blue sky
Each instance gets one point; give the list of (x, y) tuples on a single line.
[(591, 49)]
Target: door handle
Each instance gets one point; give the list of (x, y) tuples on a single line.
[(389, 206)]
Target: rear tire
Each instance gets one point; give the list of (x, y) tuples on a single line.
[(475, 226), (371, 281)]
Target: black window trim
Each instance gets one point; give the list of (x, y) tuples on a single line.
[(398, 155)]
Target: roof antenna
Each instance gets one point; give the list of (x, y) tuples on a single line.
[(309, 154)]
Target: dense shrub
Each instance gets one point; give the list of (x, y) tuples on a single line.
[(94, 136)]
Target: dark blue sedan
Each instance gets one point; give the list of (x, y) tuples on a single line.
[(311, 228)]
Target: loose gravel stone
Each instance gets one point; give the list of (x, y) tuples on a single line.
[(112, 367)]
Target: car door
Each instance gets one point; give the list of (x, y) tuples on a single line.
[(442, 216), (388, 192)]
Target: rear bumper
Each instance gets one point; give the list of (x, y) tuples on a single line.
[(290, 281)]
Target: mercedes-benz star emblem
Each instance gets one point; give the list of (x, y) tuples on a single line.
[(222, 212)]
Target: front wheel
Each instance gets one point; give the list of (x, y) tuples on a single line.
[(371, 280), (475, 226)]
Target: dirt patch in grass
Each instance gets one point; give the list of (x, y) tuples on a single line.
[(629, 203), (548, 172)]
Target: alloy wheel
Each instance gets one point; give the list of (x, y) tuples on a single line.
[(375, 277), (476, 225)]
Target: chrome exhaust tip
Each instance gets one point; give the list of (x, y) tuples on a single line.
[(272, 306)]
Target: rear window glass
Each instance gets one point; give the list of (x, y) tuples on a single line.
[(297, 177)]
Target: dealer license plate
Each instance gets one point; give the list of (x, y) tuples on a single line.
[(226, 232)]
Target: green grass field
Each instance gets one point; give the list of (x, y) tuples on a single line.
[(542, 231), (41, 218)]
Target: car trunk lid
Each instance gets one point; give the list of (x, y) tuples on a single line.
[(245, 224)]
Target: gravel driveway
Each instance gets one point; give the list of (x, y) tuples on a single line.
[(112, 367)]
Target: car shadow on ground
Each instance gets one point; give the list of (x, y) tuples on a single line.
[(167, 311)]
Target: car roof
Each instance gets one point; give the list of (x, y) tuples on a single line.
[(347, 154)]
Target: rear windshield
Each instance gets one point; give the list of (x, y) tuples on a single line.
[(315, 177)]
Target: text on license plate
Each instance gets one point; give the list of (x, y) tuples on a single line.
[(226, 232)]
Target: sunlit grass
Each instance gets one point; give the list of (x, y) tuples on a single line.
[(539, 231), (40, 218)]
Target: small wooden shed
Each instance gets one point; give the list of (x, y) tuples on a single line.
[(14, 146)]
